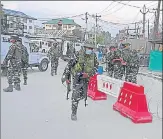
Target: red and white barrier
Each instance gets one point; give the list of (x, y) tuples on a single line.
[(93, 92), (109, 85), (132, 103)]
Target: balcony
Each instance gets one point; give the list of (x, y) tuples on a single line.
[(11, 27)]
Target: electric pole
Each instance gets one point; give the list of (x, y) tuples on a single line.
[(144, 12), (148, 29), (96, 29), (155, 30), (86, 21)]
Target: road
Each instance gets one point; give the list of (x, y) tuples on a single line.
[(41, 111)]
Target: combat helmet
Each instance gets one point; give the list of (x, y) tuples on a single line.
[(89, 46), (15, 37)]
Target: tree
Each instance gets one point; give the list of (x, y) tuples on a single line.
[(78, 33), (100, 39)]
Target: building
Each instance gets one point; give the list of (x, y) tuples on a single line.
[(17, 22), (61, 24)]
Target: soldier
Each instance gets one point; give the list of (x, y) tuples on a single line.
[(25, 61), (53, 55), (118, 68), (81, 69), (126, 53), (132, 67), (13, 59), (109, 63)]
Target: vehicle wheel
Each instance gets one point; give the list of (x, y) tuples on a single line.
[(43, 51), (43, 65)]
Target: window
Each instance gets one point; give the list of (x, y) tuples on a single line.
[(25, 27), (11, 18), (30, 27), (24, 20), (17, 19), (48, 25), (64, 26), (11, 25), (30, 21)]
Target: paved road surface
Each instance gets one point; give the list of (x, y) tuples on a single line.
[(41, 111)]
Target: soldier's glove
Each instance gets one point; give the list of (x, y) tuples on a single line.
[(85, 75), (68, 81)]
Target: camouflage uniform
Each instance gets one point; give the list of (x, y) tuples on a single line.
[(13, 59), (86, 63), (118, 67), (126, 54), (25, 63), (132, 67), (53, 55), (109, 63)]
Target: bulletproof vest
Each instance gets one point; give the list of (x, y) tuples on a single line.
[(126, 54), (117, 54), (54, 53), (85, 64), (18, 52)]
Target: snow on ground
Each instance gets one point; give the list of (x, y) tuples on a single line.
[(41, 111)]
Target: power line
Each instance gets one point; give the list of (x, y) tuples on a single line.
[(106, 7), (114, 23), (132, 5), (112, 7), (116, 10), (46, 19)]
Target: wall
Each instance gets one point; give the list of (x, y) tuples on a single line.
[(26, 23), (138, 43)]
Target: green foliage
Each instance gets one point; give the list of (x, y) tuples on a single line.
[(100, 39)]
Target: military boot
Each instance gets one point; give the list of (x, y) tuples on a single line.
[(52, 74), (9, 88), (17, 87), (73, 117), (14, 85), (56, 72), (25, 82)]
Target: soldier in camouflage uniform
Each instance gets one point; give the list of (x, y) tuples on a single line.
[(109, 63), (81, 69), (13, 59), (53, 55), (118, 64), (25, 61), (126, 54), (132, 67)]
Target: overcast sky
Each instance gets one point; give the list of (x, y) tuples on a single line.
[(116, 12)]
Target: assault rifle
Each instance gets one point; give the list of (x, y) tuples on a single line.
[(80, 82), (63, 79)]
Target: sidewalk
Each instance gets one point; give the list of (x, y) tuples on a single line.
[(146, 72)]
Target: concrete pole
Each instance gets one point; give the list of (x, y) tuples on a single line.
[(155, 30), (144, 12), (96, 30), (86, 19)]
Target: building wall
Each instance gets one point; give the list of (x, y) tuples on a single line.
[(28, 23), (55, 27)]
